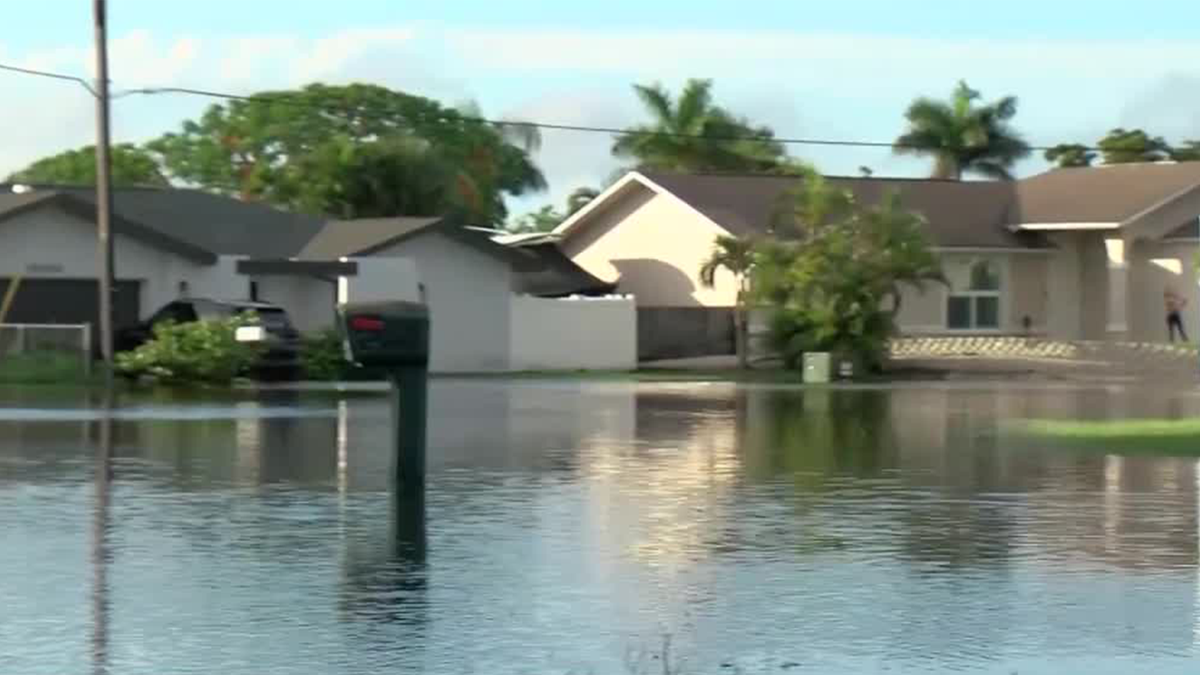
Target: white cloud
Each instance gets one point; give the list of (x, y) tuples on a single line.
[(844, 86)]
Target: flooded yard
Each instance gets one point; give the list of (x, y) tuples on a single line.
[(594, 527)]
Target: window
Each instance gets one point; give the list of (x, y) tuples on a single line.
[(974, 300)]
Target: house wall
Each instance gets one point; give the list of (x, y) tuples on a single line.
[(381, 279), (573, 334), (51, 243), (1064, 311), (1024, 278), (468, 295), (655, 245), (1160, 266), (309, 301)]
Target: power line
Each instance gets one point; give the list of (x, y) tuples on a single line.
[(550, 126)]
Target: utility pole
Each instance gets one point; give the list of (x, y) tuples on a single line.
[(104, 191)]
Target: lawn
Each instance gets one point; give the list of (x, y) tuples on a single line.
[(1131, 436), (42, 368)]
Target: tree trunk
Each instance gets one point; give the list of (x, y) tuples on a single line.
[(740, 337)]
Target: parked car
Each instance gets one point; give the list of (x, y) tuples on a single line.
[(281, 357)]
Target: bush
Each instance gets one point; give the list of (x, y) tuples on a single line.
[(204, 352), (322, 357)]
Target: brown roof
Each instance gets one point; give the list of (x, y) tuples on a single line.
[(344, 238), (960, 214), (556, 275), (1102, 194)]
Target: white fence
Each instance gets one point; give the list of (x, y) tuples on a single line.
[(573, 333), (47, 340)]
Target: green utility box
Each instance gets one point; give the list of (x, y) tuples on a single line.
[(386, 334), (394, 337), (817, 367)]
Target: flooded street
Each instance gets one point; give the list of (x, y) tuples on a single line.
[(591, 527)]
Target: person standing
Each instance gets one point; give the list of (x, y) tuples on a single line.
[(1175, 305)]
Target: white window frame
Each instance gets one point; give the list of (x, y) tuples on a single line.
[(1001, 264)]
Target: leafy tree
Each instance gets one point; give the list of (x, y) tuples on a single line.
[(1189, 151), (547, 218), (1123, 146), (835, 272), (737, 257), (1068, 155), (544, 219), (580, 198), (132, 166), (692, 133), (286, 148), (963, 136)]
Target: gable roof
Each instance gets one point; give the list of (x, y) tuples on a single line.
[(960, 214), (192, 223), (364, 236), (1104, 194)]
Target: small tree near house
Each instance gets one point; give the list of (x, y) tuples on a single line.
[(736, 256)]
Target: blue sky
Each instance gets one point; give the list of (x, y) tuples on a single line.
[(809, 69)]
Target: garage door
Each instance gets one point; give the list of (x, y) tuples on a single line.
[(67, 301)]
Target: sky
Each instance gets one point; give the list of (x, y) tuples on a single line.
[(838, 70)]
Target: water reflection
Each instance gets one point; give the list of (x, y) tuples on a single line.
[(567, 523)]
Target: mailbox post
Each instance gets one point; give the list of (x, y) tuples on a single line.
[(394, 336)]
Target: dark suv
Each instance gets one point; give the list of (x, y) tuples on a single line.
[(282, 355)]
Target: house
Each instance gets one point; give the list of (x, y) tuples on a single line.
[(173, 242), (1072, 254), (167, 243)]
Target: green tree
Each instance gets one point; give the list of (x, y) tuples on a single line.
[(692, 133), (1188, 151), (580, 198), (132, 166), (964, 136), (1130, 146), (737, 257), (1069, 155), (544, 219), (835, 271), (286, 148)]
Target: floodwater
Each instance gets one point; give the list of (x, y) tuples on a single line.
[(597, 528)]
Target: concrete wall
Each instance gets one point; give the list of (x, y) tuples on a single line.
[(1027, 291), (573, 334), (655, 244), (922, 310), (308, 300), (468, 295)]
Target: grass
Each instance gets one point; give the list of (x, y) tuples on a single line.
[(43, 368), (1130, 436)]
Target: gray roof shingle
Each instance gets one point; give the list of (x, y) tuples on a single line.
[(1102, 194)]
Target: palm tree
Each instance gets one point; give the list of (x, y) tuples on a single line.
[(737, 256), (694, 134), (580, 198), (1069, 155), (962, 136)]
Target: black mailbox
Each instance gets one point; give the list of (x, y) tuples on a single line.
[(394, 337), (386, 334)]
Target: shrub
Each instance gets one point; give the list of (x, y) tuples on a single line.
[(322, 357), (204, 352)]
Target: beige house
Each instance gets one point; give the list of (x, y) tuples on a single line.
[(1071, 254)]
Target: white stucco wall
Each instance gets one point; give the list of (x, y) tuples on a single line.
[(468, 293), (1064, 311), (655, 245), (309, 301), (381, 279), (1167, 265), (51, 243), (573, 334)]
